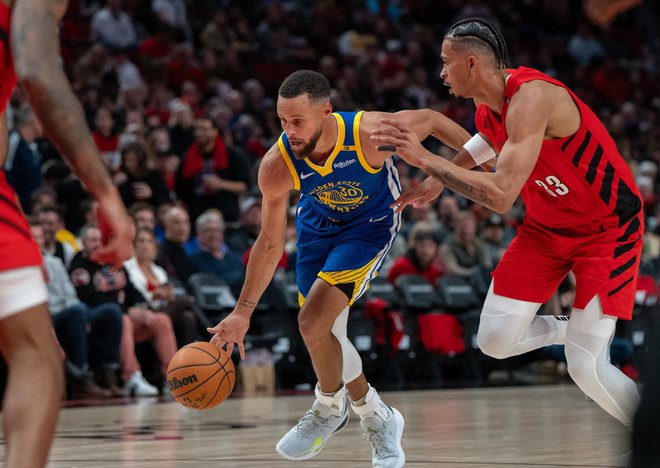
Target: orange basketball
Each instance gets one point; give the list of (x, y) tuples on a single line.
[(201, 375)]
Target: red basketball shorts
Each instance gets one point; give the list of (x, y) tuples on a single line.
[(605, 261)]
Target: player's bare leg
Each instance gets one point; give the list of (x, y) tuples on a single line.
[(323, 305), (35, 385)]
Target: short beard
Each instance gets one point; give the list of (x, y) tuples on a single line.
[(309, 147)]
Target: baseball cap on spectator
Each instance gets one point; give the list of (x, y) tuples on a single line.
[(647, 168), (495, 220), (249, 202), (393, 45), (426, 235)]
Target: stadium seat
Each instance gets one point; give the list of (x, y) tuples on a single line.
[(211, 293), (274, 299), (381, 288), (456, 294), (290, 290), (480, 281), (417, 293)]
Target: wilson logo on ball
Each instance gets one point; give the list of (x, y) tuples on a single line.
[(178, 383)]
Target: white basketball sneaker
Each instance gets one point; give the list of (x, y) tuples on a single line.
[(329, 415), (383, 426), (385, 437)]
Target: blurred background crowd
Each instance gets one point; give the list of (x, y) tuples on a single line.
[(180, 96)]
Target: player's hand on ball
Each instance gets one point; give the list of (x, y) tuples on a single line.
[(231, 331), (426, 192), (394, 133)]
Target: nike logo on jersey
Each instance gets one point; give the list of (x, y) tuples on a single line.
[(304, 176), (371, 220)]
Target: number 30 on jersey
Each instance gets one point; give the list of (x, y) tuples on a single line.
[(552, 185)]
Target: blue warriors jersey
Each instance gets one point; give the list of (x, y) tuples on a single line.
[(344, 220)]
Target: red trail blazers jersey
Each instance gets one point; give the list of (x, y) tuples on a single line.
[(578, 179)]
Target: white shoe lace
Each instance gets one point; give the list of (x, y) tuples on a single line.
[(378, 442), (307, 423)]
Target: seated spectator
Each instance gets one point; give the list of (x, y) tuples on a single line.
[(71, 320), (172, 255), (43, 196), (212, 176), (141, 183), (243, 236), (106, 139), (53, 226), (143, 215), (422, 257), (447, 210), (153, 283), (98, 284), (181, 130), (214, 256), (463, 251), (22, 164), (113, 27), (493, 236)]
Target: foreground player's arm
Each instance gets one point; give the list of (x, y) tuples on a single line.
[(423, 122), (275, 183), (526, 123), (35, 49)]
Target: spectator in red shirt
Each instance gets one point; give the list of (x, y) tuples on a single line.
[(422, 257), (107, 141)]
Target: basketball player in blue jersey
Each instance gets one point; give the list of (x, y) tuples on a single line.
[(345, 228)]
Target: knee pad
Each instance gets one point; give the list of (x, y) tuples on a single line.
[(352, 364), (503, 322)]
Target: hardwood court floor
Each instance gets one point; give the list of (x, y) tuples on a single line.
[(540, 426)]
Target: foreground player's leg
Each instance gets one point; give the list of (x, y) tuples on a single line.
[(382, 424), (329, 413), (587, 345), (509, 327), (35, 363)]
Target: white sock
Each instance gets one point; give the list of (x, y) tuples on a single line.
[(371, 404), (334, 402)]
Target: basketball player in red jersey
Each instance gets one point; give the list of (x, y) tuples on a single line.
[(584, 212), (29, 51)]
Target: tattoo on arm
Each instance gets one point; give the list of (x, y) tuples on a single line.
[(461, 187), (248, 303)]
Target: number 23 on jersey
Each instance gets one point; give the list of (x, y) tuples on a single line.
[(552, 185)]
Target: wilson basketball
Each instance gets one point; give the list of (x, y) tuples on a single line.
[(201, 375)]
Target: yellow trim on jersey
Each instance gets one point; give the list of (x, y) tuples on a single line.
[(301, 299), (287, 160), (358, 276), (358, 145), (339, 146)]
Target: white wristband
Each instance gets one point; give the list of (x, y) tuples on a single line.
[(479, 149)]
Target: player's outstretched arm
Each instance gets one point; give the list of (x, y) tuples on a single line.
[(275, 182), (35, 49), (424, 123), (527, 120)]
